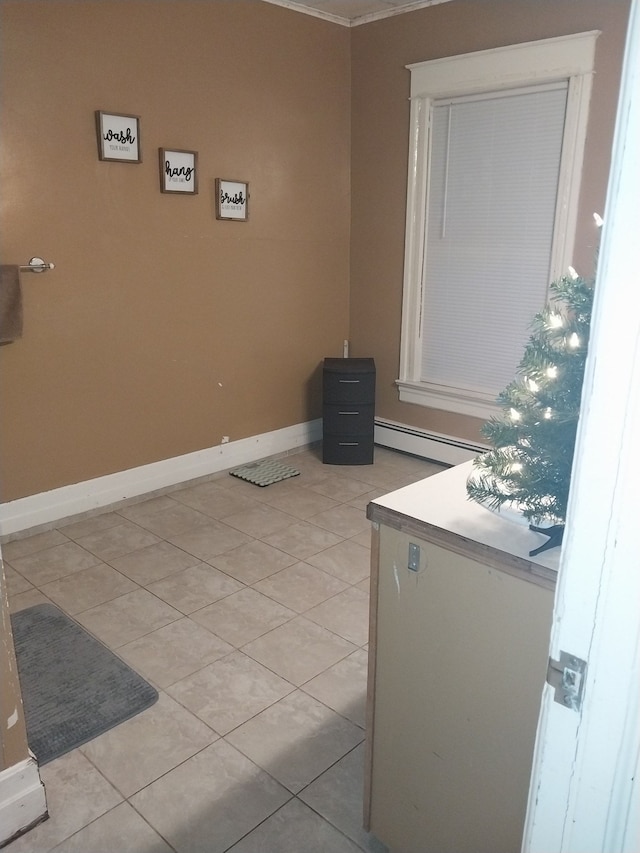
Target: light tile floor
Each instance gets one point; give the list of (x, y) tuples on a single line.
[(247, 608)]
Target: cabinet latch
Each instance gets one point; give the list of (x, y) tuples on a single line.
[(567, 676)]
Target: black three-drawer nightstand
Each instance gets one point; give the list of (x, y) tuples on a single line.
[(348, 403)]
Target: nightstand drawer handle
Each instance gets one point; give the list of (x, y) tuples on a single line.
[(348, 413), (348, 443), (349, 381)]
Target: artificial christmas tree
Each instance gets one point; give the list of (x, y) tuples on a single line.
[(534, 440)]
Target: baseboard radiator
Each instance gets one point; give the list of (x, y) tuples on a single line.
[(446, 449)]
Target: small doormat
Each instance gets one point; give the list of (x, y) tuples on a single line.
[(73, 687), (264, 473)]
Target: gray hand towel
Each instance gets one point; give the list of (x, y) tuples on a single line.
[(10, 304)]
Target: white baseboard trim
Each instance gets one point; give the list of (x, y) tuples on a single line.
[(47, 507), (22, 799), (430, 445)]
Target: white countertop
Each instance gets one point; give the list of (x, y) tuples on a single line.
[(441, 501)]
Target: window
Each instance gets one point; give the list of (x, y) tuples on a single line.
[(495, 161)]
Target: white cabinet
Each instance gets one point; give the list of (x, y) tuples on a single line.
[(458, 658)]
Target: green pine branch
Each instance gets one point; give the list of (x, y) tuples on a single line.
[(534, 438)]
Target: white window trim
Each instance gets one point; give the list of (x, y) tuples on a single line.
[(565, 57)]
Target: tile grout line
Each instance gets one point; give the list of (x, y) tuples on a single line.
[(357, 647)]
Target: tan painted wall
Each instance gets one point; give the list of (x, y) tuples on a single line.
[(162, 329), (380, 139)]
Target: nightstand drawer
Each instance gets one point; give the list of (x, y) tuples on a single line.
[(350, 380), (352, 388), (347, 450), (348, 419)]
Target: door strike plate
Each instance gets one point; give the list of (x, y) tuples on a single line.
[(567, 676)]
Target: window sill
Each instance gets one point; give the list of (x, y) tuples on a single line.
[(462, 401)]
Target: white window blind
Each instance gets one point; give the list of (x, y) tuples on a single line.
[(495, 162)]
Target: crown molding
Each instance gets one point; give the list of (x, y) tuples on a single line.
[(360, 19)]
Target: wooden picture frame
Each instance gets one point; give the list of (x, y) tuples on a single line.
[(232, 200), (118, 137), (178, 171)]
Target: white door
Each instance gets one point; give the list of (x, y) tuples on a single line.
[(584, 790)]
